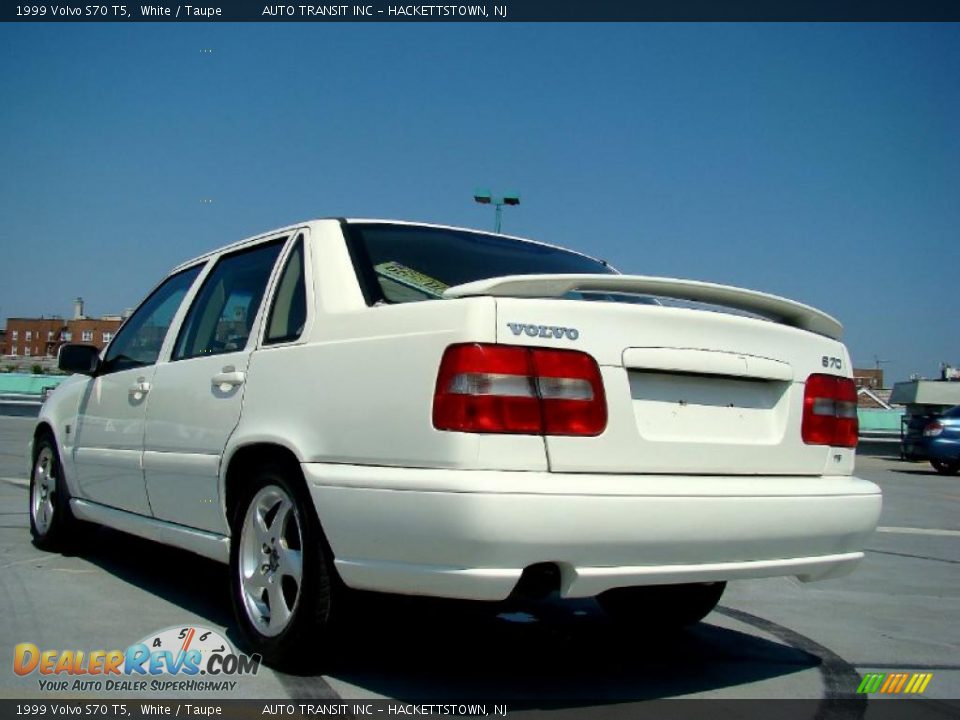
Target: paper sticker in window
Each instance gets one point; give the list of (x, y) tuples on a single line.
[(411, 278)]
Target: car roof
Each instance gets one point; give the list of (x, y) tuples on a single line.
[(382, 221), (242, 243)]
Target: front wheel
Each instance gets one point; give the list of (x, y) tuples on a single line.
[(945, 467), (281, 571), (662, 607), (51, 520)]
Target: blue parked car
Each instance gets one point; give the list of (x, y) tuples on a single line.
[(941, 442)]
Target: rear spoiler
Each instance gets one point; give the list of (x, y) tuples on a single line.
[(772, 307)]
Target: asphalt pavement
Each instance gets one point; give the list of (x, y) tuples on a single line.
[(775, 638)]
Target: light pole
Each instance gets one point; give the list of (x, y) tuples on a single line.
[(485, 197)]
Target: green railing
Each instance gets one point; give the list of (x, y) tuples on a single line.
[(879, 420), (23, 384)]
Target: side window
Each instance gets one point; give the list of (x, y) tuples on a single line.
[(222, 315), (289, 311), (138, 342)]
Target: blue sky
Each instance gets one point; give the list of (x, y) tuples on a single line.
[(820, 162)]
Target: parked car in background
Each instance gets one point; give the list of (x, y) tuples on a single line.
[(941, 442), (911, 435), (388, 406)]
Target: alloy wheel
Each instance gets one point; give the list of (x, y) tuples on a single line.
[(43, 491), (271, 560)]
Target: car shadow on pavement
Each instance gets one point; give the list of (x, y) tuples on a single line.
[(198, 585), (551, 653), (548, 653)]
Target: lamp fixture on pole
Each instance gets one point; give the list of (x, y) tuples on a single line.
[(485, 197)]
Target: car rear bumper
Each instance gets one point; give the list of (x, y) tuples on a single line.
[(945, 449), (470, 534), (938, 448)]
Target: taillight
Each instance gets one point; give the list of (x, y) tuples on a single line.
[(830, 411), (509, 389), (933, 429)]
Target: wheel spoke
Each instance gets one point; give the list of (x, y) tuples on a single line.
[(280, 518), (254, 585), (279, 612), (259, 606), (291, 564), (260, 528)]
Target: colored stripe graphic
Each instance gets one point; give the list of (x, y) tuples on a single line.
[(895, 683), (890, 682), (927, 677), (870, 683)]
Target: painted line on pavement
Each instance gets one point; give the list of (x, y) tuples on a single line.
[(919, 531)]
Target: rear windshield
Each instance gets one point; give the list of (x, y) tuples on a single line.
[(408, 263)]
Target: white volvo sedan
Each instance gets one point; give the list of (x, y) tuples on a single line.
[(387, 406)]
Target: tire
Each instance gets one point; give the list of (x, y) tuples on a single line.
[(52, 523), (283, 583), (658, 608), (945, 467)]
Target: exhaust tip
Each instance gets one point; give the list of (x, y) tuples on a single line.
[(537, 582)]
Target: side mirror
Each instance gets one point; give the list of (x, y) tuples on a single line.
[(83, 359)]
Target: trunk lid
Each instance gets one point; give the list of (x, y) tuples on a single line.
[(689, 391)]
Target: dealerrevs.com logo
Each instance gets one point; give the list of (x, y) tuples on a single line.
[(175, 659)]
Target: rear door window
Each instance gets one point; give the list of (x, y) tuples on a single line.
[(221, 317)]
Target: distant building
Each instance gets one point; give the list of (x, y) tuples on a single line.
[(3, 341), (43, 336), (871, 394), (869, 378), (868, 399), (949, 373)]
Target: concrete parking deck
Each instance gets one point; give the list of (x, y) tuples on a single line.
[(769, 639)]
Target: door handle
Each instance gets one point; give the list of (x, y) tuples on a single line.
[(139, 388), (227, 379)]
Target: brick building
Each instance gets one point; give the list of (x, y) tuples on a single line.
[(871, 394), (870, 378), (33, 337), (43, 336)]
